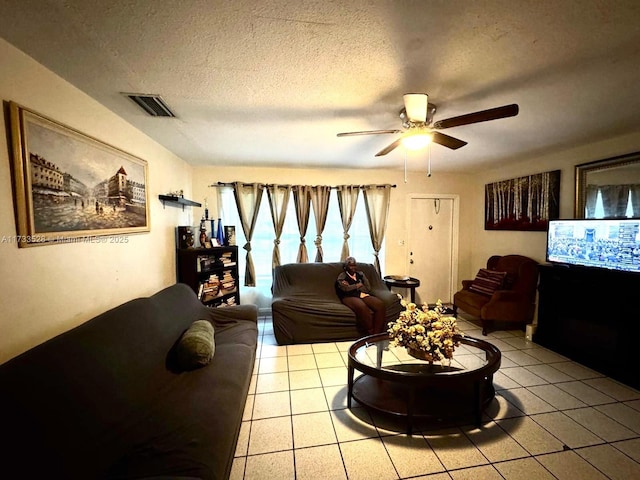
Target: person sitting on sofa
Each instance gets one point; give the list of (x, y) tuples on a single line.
[(354, 291)]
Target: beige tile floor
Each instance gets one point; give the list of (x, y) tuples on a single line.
[(551, 419)]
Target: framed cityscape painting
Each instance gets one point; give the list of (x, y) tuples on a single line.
[(523, 203), (70, 187)]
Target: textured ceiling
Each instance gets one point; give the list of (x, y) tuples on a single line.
[(272, 82)]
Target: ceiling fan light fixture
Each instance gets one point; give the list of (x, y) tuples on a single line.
[(415, 105), (419, 129), (416, 141)]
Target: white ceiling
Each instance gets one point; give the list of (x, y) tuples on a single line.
[(273, 81)]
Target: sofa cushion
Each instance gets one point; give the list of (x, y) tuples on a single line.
[(191, 429), (470, 301), (196, 346), (487, 281)]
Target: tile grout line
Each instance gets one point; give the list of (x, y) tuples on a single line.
[(256, 365)]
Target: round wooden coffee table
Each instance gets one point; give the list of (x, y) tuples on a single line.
[(398, 384)]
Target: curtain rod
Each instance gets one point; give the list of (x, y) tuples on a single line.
[(231, 184)]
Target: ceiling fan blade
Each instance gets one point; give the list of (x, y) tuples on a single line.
[(447, 141), (388, 148), (415, 104), (477, 117), (367, 132)]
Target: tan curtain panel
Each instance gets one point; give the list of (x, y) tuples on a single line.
[(248, 197), (278, 196), (320, 203), (347, 201), (591, 200), (377, 202), (302, 199), (614, 200)]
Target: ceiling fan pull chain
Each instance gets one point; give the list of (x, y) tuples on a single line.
[(405, 165), (429, 165)]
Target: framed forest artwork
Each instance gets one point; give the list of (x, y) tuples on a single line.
[(69, 187), (523, 203)]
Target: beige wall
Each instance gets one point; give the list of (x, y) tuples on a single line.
[(533, 244), (475, 243), (49, 289)]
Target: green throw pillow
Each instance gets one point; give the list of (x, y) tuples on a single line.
[(196, 346)]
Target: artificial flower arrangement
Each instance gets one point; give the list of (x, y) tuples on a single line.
[(425, 333)]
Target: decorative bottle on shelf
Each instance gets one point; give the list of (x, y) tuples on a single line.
[(220, 234), (203, 233)]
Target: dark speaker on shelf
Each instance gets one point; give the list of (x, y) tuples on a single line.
[(185, 237)]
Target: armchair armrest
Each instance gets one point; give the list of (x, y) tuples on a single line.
[(220, 316), (466, 284), (507, 296)]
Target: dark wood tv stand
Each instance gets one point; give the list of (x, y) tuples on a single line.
[(592, 317)]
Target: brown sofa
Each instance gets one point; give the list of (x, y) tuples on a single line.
[(306, 308), (514, 301)]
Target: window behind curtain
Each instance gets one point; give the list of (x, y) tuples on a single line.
[(262, 242)]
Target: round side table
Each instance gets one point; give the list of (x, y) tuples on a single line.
[(401, 281)]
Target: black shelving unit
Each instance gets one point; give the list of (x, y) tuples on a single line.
[(171, 199), (203, 268)]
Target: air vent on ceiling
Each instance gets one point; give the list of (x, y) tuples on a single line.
[(152, 104)]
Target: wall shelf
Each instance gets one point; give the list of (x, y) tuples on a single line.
[(171, 199)]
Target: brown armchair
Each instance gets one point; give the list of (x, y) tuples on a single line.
[(514, 301)]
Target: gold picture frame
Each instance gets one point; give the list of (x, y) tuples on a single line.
[(70, 187), (610, 179)]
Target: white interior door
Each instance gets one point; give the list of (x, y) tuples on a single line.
[(433, 246)]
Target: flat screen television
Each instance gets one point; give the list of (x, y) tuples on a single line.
[(609, 244)]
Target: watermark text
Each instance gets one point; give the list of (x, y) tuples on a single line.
[(121, 239)]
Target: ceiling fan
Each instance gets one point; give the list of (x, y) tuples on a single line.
[(419, 128)]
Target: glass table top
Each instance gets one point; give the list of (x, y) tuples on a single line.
[(375, 352)]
